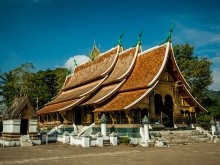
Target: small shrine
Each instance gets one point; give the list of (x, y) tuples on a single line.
[(20, 122)]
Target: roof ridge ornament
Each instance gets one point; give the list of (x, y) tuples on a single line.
[(95, 52), (169, 38), (75, 63), (120, 39), (139, 37)]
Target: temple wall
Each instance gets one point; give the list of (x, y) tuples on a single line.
[(11, 126)]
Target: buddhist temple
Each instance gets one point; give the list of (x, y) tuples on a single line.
[(126, 85), (19, 122)]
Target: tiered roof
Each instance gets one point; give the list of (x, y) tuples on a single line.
[(21, 107), (117, 80)]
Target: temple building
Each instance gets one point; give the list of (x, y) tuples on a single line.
[(125, 85), (20, 122)]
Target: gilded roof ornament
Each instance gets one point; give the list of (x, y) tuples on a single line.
[(95, 52)]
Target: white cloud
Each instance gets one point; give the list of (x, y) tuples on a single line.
[(200, 37), (206, 41), (216, 60), (80, 59), (216, 85)]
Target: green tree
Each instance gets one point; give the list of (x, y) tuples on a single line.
[(16, 82), (212, 102), (46, 85), (42, 85), (197, 71), (8, 87)]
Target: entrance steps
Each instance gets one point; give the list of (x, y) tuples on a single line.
[(106, 141), (180, 137), (26, 141)]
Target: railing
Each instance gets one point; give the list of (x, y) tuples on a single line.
[(184, 120)]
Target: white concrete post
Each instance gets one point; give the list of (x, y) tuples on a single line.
[(72, 136), (103, 129), (218, 125), (66, 137), (213, 126), (145, 122), (103, 125), (46, 139), (146, 132), (85, 141), (99, 139), (114, 139)]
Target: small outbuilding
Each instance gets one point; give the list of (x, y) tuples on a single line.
[(20, 121)]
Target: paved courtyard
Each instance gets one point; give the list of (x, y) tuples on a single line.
[(200, 153)]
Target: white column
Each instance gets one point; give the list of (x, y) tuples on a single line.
[(146, 122), (146, 132), (103, 129), (103, 125), (213, 126), (85, 141), (114, 139), (99, 139)]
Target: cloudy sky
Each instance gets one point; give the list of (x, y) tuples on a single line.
[(51, 33)]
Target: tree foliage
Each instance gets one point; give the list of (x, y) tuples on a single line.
[(197, 71), (46, 85), (16, 82), (21, 81)]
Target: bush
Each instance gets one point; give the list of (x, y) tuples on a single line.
[(124, 140)]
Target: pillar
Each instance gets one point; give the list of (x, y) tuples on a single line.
[(114, 138), (85, 141), (218, 125), (113, 117), (129, 117), (99, 139), (213, 126), (103, 125), (66, 137), (146, 122), (152, 106)]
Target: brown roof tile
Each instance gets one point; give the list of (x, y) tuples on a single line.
[(67, 80), (93, 70), (58, 107), (18, 106), (146, 68), (122, 68), (103, 93), (76, 92), (120, 100), (123, 65)]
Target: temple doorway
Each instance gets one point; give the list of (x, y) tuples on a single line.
[(167, 112), (158, 104), (78, 117), (24, 127)]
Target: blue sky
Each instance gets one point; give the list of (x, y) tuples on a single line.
[(50, 33)]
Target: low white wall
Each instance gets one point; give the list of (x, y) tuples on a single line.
[(11, 126), (33, 125)]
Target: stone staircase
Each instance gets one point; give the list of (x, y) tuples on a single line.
[(106, 142), (180, 137), (25, 141)]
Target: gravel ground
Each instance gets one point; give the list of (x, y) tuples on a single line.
[(191, 154)]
